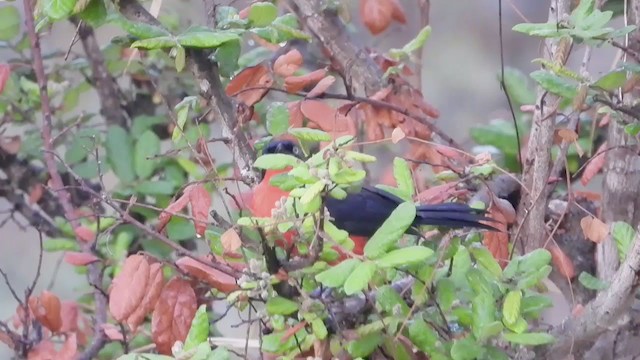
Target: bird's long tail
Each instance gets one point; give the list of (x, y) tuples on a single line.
[(452, 215)]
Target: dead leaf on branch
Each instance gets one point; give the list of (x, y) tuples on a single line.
[(440, 193), (324, 117), (321, 87), (152, 293), (497, 242), (595, 165), (215, 278), (376, 14), (594, 229), (258, 76), (294, 84), (287, 64), (113, 333), (200, 200), (230, 241), (173, 314), (85, 234), (47, 310), (129, 287), (69, 314), (561, 262), (79, 258)]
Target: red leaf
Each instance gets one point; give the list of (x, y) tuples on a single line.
[(293, 84), (35, 193), (258, 77), (376, 14), (217, 279), (321, 86), (295, 114), (79, 258), (47, 310), (112, 332), (45, 350), (173, 208), (129, 287), (291, 331), (498, 242), (85, 234), (200, 204), (152, 293), (6, 339), (173, 314), (595, 165), (288, 63), (5, 73), (398, 14), (327, 118), (561, 262), (69, 349), (69, 315)]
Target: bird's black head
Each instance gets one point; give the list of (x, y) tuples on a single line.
[(288, 147)]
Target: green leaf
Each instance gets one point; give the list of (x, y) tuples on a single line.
[(358, 156), (227, 55), (511, 307), (486, 260), (207, 39), (60, 244), (478, 281), (180, 229), (405, 256), (517, 85), (147, 146), (312, 192), (139, 29), (537, 338), (119, 150), (529, 262), (612, 80), (181, 58), (199, 331), (591, 282), (220, 353), (632, 129), (466, 349), (262, 13), (319, 329), (145, 356), (483, 309), (358, 280), (307, 134), (335, 276), (499, 133), (365, 345), (422, 335), (95, 14), (143, 123), (391, 230), (404, 179), (534, 277), (281, 306), (10, 20), (160, 42), (391, 302), (623, 234), (549, 29), (445, 293), (555, 84), (490, 330), (348, 176), (277, 118), (83, 143), (276, 161), (418, 42), (58, 9), (156, 187)]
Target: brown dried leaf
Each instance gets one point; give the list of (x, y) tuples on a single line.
[(257, 76), (69, 314), (497, 242), (595, 165), (561, 262), (152, 293), (437, 194), (200, 204), (79, 258), (35, 193), (291, 331), (294, 84), (69, 349), (6, 339), (327, 118), (173, 208), (112, 332), (567, 135), (398, 14), (129, 287), (11, 144), (45, 350), (321, 87), (288, 63), (85, 234), (47, 310), (376, 14), (217, 279), (230, 241), (5, 73), (173, 314), (295, 114), (397, 134), (594, 229), (382, 93)]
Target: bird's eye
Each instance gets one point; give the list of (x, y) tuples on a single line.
[(296, 150)]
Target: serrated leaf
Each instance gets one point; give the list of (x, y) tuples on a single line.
[(147, 146), (405, 256), (511, 307), (537, 338), (359, 279), (623, 234), (307, 134), (9, 22), (277, 118), (591, 282), (207, 39), (119, 148), (199, 331), (276, 161), (281, 306), (336, 276), (391, 230), (404, 179), (262, 13)]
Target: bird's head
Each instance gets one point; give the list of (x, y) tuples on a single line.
[(288, 147)]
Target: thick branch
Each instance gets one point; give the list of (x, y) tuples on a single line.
[(532, 208)]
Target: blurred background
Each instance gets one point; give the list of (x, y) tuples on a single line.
[(461, 63)]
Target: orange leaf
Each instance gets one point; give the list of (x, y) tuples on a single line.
[(230, 241), (5, 73), (376, 14), (173, 314), (258, 77), (567, 135), (112, 332), (173, 208), (291, 331), (152, 293), (398, 14), (129, 287), (293, 84), (436, 194), (200, 204), (44, 350), (69, 349), (46, 308), (594, 229), (69, 315), (295, 115), (321, 86), (497, 242), (288, 63), (397, 134), (85, 234), (562, 263), (217, 279), (382, 93), (595, 165), (35, 193), (79, 258), (327, 118)]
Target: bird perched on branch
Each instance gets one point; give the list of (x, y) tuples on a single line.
[(361, 214)]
